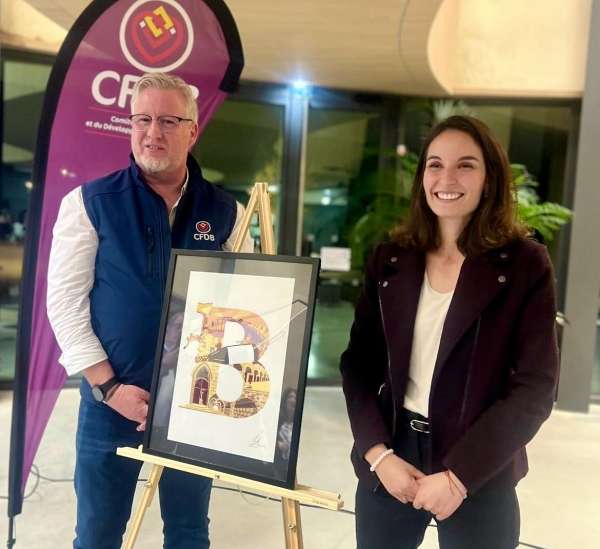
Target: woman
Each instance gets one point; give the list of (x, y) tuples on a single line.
[(452, 362), (286, 422), (285, 426)]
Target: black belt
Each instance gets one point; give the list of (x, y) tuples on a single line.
[(417, 422)]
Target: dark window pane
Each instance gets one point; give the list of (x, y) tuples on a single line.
[(24, 85), (342, 160), (243, 144)]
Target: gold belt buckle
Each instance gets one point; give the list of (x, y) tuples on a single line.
[(419, 426)]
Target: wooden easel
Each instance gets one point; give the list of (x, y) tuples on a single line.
[(290, 499)]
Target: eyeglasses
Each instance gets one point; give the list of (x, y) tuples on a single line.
[(142, 122)]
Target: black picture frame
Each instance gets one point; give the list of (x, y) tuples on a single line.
[(172, 424)]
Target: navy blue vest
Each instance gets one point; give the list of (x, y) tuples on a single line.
[(134, 246)]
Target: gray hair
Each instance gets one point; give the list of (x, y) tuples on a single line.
[(165, 81)]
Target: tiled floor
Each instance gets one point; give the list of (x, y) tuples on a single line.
[(560, 499)]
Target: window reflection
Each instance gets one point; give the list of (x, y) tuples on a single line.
[(243, 144), (24, 85), (342, 161)]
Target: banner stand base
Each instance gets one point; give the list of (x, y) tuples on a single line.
[(11, 533)]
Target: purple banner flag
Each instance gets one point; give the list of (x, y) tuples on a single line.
[(84, 134)]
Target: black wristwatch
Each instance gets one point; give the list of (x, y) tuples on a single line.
[(100, 392)]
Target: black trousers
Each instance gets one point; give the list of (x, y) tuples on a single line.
[(488, 519)]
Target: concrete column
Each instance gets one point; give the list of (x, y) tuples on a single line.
[(583, 271), (291, 204)]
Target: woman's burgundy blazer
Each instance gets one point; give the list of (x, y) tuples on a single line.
[(497, 367)]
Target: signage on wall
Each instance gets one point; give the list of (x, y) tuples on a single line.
[(335, 259), (84, 134)]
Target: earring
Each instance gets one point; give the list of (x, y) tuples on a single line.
[(486, 192)]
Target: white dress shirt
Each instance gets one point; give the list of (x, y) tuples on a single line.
[(71, 278)]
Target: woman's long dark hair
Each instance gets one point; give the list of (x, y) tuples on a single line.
[(282, 406), (493, 224)]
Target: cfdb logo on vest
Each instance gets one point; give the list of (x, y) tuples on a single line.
[(156, 36), (203, 228)]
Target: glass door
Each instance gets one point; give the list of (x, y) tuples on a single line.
[(23, 85), (342, 158), (243, 144)]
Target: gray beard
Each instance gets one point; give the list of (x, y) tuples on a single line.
[(155, 165), (161, 165)]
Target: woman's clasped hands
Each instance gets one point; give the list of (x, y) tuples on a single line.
[(399, 478), (439, 493)]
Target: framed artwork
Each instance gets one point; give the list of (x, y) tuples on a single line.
[(230, 369)]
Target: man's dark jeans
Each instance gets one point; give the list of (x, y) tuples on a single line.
[(105, 484)]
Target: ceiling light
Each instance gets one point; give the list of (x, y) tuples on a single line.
[(300, 84), (301, 88)]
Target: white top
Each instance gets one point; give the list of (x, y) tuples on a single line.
[(71, 277), (431, 315)]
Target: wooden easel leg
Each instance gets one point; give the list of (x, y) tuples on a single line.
[(267, 237), (259, 200), (245, 223), (291, 524), (149, 491)]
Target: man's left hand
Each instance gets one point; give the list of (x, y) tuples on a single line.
[(436, 496), (131, 402)]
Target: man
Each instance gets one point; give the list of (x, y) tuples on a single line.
[(106, 282)]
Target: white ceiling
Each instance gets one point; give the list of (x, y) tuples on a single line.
[(348, 44), (468, 48)]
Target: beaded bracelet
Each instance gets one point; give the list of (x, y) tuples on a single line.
[(451, 482), (380, 459)]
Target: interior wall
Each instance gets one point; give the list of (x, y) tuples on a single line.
[(430, 48), (441, 46), (536, 48), (416, 20), (23, 26)]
